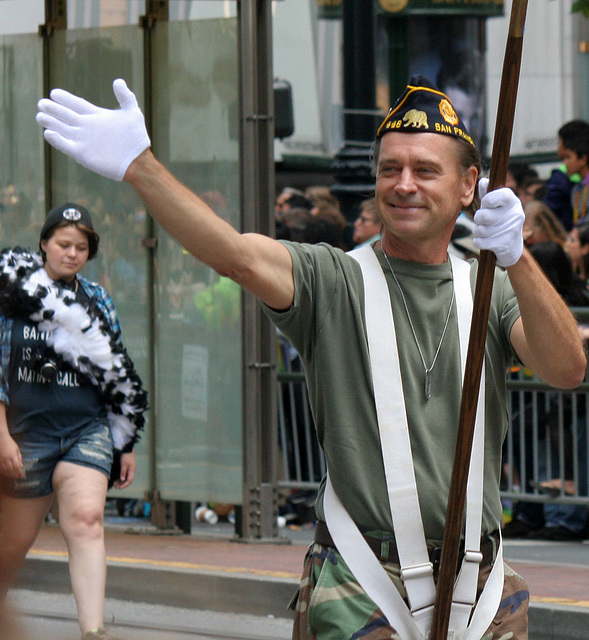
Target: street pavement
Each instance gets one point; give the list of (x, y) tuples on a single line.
[(212, 570), (52, 616)]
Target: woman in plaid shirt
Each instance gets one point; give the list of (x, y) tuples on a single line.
[(61, 415)]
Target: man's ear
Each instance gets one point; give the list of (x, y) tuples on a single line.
[(470, 185)]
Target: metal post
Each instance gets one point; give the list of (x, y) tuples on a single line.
[(155, 11), (397, 55), (55, 18), (260, 438), (359, 70), (352, 164)]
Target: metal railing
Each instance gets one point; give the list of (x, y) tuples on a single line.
[(547, 440), (303, 462)]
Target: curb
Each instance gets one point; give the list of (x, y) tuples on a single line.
[(211, 591), (243, 593)]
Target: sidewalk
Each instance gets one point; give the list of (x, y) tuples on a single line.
[(210, 570)]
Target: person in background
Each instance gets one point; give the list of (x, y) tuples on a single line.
[(556, 264), (573, 148), (283, 196), (541, 225), (339, 310), (557, 195), (531, 189), (367, 226), (288, 198), (577, 248), (319, 194), (295, 201), (517, 173), (71, 405), (298, 226), (331, 225)]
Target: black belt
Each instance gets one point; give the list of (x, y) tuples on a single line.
[(386, 550)]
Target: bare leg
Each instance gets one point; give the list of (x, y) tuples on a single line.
[(81, 494), (20, 521)]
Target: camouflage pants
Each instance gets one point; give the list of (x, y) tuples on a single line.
[(331, 605)]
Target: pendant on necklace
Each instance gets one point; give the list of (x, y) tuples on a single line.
[(428, 385)]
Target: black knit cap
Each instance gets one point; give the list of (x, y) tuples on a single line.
[(70, 213), (424, 108)]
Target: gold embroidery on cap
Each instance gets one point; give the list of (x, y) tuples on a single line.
[(447, 112), (416, 119)]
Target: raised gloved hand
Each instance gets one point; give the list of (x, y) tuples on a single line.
[(499, 224), (103, 140)]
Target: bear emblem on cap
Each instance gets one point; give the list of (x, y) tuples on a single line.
[(415, 118)]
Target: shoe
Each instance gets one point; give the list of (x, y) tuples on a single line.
[(99, 634), (515, 529), (557, 534)]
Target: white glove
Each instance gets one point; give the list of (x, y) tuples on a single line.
[(499, 224), (103, 140)]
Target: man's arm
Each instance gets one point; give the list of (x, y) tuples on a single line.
[(545, 337), (115, 144), (256, 262)]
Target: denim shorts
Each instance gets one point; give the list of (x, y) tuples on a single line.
[(90, 447)]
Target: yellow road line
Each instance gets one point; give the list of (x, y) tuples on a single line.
[(41, 552), (564, 601), (179, 565)]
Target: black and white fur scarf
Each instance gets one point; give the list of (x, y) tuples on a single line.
[(79, 336)]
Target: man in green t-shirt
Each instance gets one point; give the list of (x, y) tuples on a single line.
[(427, 170)]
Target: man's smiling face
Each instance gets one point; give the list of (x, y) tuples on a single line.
[(420, 190)]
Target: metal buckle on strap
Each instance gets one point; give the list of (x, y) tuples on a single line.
[(473, 556), (417, 571)]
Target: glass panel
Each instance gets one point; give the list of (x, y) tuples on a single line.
[(22, 207), (86, 62), (199, 341)]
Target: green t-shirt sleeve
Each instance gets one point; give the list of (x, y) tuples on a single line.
[(320, 272)]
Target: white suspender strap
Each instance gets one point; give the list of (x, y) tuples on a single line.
[(416, 568), (489, 600), (465, 589)]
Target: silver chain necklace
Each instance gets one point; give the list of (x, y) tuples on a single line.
[(428, 370)]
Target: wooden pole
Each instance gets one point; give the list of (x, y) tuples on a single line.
[(478, 331)]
